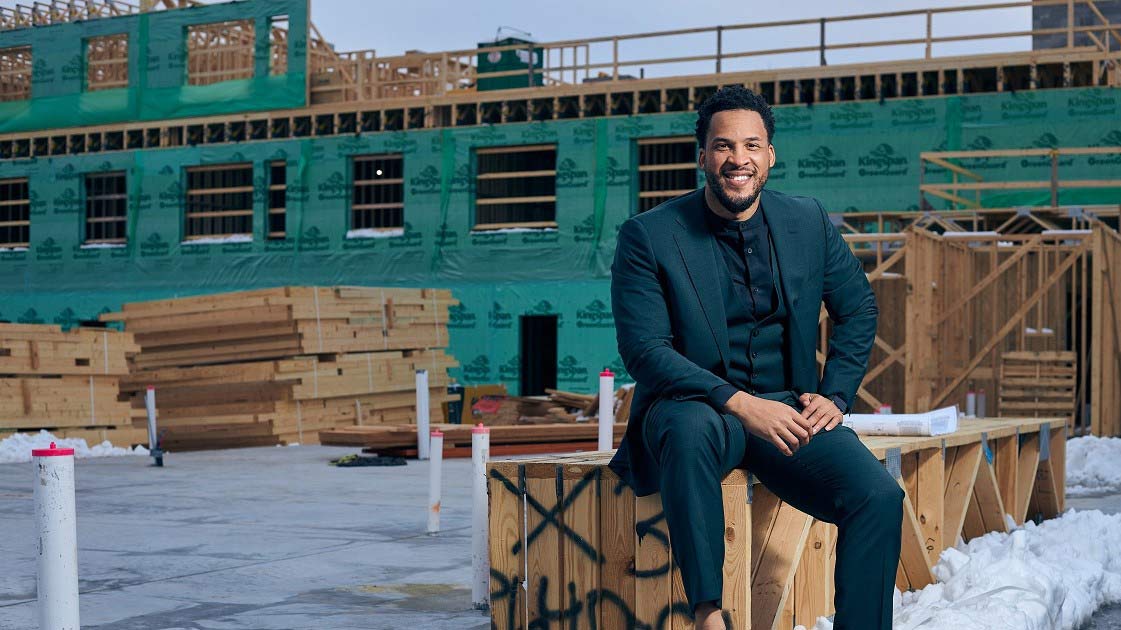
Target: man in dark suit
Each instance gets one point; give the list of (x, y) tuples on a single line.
[(716, 296)]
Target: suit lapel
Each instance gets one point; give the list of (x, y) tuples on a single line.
[(787, 243), (698, 254)]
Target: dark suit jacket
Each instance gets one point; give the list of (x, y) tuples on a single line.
[(669, 314)]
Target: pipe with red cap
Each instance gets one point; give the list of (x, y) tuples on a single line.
[(58, 538)]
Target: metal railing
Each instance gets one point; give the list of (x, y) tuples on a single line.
[(604, 58)]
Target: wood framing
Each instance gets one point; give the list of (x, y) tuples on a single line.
[(970, 194), (1105, 363), (592, 555)]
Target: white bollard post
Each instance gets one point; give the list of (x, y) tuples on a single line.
[(480, 552), (153, 436), (435, 465), (606, 409), (58, 538), (422, 414), (970, 404)]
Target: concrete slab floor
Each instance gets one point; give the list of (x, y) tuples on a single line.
[(266, 539), (260, 538)]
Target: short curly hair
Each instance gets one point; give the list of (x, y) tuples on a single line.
[(733, 97)]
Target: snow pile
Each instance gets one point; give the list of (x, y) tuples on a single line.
[(218, 240), (106, 245), (1041, 577), (17, 448), (514, 230), (1093, 466), (375, 233)]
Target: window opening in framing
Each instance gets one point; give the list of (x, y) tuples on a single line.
[(107, 62), (219, 201), (219, 51), (516, 186), (15, 213), (667, 168), (106, 208), (278, 44), (378, 196), (278, 190), (15, 73)]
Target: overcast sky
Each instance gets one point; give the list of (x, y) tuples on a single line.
[(395, 26)]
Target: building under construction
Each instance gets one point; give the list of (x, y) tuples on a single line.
[(176, 149)]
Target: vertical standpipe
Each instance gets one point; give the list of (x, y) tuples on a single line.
[(153, 434), (480, 550), (606, 409), (58, 538), (435, 466), (422, 414)]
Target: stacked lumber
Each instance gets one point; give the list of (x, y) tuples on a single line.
[(66, 382), (283, 322), (276, 366), (504, 440)]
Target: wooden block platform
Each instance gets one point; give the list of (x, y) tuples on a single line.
[(595, 556)]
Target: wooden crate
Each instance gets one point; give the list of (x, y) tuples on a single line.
[(595, 556)]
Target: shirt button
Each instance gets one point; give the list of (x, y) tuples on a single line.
[(749, 250), (755, 289), (755, 333), (754, 375), (754, 355), (751, 391)]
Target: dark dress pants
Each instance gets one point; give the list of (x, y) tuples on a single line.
[(834, 478)]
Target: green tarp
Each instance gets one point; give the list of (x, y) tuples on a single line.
[(157, 50)]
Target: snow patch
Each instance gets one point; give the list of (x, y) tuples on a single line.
[(16, 448), (105, 245), (375, 233), (513, 230), (217, 240), (1051, 576), (1093, 466)]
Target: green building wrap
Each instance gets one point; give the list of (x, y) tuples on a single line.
[(157, 51), (852, 156)]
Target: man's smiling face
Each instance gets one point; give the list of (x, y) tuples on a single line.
[(736, 158)]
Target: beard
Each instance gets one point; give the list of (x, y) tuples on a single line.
[(739, 203)]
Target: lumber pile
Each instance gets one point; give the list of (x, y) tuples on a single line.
[(284, 322), (66, 382), (276, 366)]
